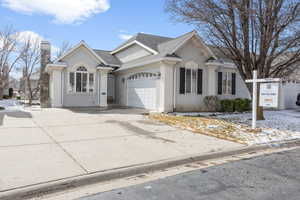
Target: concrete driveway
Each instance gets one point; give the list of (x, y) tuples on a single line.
[(39, 146)]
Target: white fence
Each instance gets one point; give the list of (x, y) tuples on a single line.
[(290, 91)]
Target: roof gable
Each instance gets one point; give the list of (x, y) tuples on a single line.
[(170, 47), (81, 44), (147, 41)]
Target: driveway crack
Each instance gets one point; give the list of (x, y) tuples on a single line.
[(139, 131), (61, 147)]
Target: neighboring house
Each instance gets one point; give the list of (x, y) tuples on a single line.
[(290, 90), (14, 83), (147, 71)]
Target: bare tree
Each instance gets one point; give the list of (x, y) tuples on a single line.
[(9, 56), (65, 46), (255, 34), (30, 58)]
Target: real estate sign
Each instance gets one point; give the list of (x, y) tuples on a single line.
[(269, 95)]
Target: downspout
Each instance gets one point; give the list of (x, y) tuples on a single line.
[(175, 87), (62, 90)]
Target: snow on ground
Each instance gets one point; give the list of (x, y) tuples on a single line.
[(11, 105), (282, 120), (279, 126)]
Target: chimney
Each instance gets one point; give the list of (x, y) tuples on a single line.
[(44, 76), (45, 53)]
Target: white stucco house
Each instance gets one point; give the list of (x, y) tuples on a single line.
[(147, 71)]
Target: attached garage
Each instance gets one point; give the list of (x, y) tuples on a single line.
[(142, 91)]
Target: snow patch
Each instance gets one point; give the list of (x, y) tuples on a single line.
[(279, 126), (11, 105)]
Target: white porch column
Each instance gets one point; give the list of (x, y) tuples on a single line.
[(103, 85), (212, 78), (166, 87), (56, 84), (56, 88)]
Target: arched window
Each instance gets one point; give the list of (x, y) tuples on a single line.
[(81, 69), (81, 81)]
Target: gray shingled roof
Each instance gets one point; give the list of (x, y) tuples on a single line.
[(107, 57), (166, 47), (219, 53), (151, 41), (163, 45)]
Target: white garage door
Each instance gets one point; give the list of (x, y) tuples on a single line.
[(142, 93)]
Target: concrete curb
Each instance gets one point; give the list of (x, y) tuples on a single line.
[(69, 183)]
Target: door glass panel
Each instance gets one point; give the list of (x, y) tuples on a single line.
[(84, 82), (194, 81), (71, 82), (91, 82), (188, 81), (78, 82)]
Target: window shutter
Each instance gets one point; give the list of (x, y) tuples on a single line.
[(233, 83), (200, 81), (220, 79), (182, 81)]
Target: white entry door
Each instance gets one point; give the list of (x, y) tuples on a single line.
[(141, 93)]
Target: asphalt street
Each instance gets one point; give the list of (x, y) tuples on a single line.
[(275, 176)]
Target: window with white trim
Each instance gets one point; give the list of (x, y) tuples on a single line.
[(81, 81), (190, 81), (227, 83)]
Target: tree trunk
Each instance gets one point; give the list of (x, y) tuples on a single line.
[(1, 92), (1, 87), (260, 113), (29, 92)]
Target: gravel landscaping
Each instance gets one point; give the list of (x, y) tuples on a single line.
[(278, 126)]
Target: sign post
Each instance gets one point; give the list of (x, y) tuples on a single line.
[(254, 100), (268, 94)]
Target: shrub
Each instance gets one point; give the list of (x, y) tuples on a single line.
[(212, 103), (227, 105), (247, 104), (6, 97), (241, 105), (10, 92), (18, 98), (2, 108)]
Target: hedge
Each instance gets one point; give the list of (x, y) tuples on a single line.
[(238, 105), (227, 105), (242, 105)]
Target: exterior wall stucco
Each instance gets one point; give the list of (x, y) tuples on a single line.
[(193, 53), (131, 53), (81, 57), (193, 56), (190, 53)]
